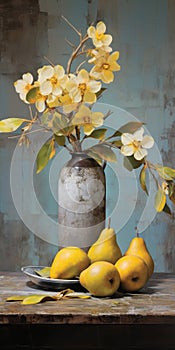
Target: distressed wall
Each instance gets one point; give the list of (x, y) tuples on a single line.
[(144, 33)]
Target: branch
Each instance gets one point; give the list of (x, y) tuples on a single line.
[(75, 52)]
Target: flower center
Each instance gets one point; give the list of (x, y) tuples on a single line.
[(105, 66), (82, 88), (136, 144), (87, 119), (28, 87), (53, 80), (99, 36)]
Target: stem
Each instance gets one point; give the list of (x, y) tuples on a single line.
[(137, 233), (151, 166), (71, 25), (26, 133), (109, 222), (75, 52)]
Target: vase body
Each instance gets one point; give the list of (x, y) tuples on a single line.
[(81, 202)]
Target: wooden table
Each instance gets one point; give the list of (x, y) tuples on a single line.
[(143, 320)]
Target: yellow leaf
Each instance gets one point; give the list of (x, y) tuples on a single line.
[(143, 180), (45, 272), (11, 124), (36, 299), (160, 200), (16, 298)]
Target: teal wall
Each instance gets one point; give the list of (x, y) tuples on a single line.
[(144, 33)]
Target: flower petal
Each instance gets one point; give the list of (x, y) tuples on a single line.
[(83, 76), (88, 128), (127, 138), (107, 39), (89, 97), (127, 150), (56, 90), (147, 141), (46, 88), (91, 32), (59, 71), (138, 135), (40, 105), (94, 85), (28, 78), (19, 85), (140, 153), (101, 27), (107, 76), (45, 73), (97, 118)]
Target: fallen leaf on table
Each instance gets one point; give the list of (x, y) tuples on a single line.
[(39, 298)]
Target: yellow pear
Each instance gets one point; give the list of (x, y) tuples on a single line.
[(138, 247), (69, 262), (133, 272), (101, 279), (105, 248)]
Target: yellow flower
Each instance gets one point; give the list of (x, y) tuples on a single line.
[(52, 80), (136, 144), (22, 86), (88, 119), (98, 35), (104, 67), (83, 88), (67, 103)]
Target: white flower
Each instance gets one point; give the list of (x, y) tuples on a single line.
[(52, 80), (22, 86), (98, 36), (136, 144)]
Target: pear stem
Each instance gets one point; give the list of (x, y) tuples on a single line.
[(109, 223), (137, 232)]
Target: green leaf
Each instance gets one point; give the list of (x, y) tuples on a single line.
[(160, 200), (36, 299), (116, 143), (45, 272), (98, 134), (46, 152), (130, 127), (31, 96), (11, 124), (142, 179), (95, 156), (104, 152), (60, 140), (131, 163), (166, 173)]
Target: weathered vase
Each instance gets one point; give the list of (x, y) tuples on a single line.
[(81, 201)]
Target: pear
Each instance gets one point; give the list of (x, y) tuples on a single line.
[(138, 247), (133, 272), (101, 279), (106, 247), (69, 262)]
